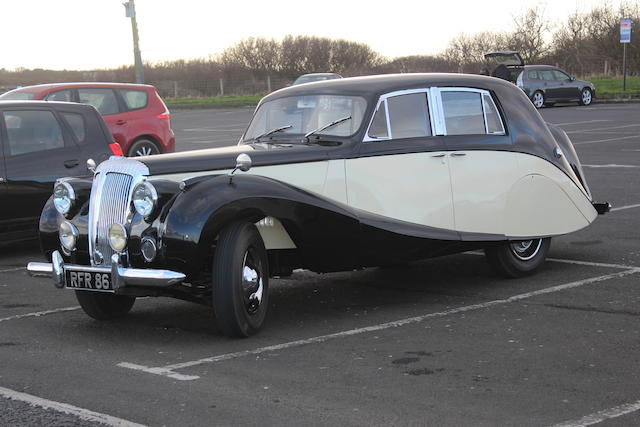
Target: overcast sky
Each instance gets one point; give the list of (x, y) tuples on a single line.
[(85, 34)]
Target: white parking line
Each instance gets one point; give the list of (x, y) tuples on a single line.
[(620, 208), (607, 140), (611, 165), (83, 414), (579, 123), (603, 415), (169, 370), (40, 313), (607, 128), (12, 269)]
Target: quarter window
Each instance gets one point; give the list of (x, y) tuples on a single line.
[(378, 128), (60, 95), (32, 131), (135, 99), (104, 100), (494, 124)]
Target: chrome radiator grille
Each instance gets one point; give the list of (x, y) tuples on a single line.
[(113, 207), (111, 203)]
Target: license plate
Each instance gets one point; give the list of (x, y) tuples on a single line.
[(88, 280)]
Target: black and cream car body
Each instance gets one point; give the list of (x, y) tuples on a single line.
[(329, 176)]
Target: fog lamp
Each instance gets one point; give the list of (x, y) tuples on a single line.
[(148, 249), (117, 237), (68, 234)]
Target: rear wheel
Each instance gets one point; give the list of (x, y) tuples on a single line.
[(143, 147), (538, 99), (586, 97), (240, 280), (518, 258), (104, 306)]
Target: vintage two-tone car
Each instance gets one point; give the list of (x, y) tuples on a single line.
[(329, 176)]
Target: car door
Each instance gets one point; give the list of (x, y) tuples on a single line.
[(38, 150), (110, 107), (401, 172), (6, 213), (569, 90), (481, 167), (551, 86)]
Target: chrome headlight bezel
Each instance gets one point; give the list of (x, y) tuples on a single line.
[(118, 237), (68, 235), (145, 199), (64, 197)]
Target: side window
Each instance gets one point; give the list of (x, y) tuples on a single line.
[(104, 100), (378, 128), (134, 99), (409, 115), (560, 75), (494, 124), (533, 75), (77, 125), (463, 112), (32, 131), (546, 75), (60, 95)]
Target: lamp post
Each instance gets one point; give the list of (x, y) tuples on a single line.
[(130, 11)]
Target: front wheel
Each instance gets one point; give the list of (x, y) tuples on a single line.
[(586, 97), (240, 280), (538, 99), (104, 306), (518, 258)]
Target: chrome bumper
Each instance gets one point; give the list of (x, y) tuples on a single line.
[(121, 277)]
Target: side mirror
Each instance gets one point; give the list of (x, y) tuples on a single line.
[(243, 162), (571, 78), (91, 165)]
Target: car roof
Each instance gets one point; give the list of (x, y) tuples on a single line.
[(49, 86), (376, 85), (32, 104), (540, 67), (319, 74)]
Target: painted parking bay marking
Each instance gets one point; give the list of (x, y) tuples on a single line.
[(169, 370)]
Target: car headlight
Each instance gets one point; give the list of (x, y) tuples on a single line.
[(145, 198), (68, 234), (63, 197), (117, 237)]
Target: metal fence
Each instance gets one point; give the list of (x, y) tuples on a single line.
[(228, 86)]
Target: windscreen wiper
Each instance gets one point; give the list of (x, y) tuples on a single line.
[(320, 129), (271, 132)]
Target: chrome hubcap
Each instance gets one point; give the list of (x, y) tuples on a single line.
[(538, 100), (524, 250), (586, 97), (145, 150), (252, 282)]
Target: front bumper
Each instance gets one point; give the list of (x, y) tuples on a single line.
[(121, 277)]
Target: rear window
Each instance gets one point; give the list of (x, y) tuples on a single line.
[(77, 125), (17, 96), (134, 99)]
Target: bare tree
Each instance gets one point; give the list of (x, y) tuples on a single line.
[(528, 37)]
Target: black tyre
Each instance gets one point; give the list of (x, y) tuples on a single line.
[(143, 147), (538, 99), (240, 280), (586, 96), (104, 306), (518, 258)]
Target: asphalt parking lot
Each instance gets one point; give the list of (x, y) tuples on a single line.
[(441, 342)]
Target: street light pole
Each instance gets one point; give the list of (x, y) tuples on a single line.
[(130, 8)]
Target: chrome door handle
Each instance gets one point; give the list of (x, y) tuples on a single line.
[(458, 154), (438, 155)]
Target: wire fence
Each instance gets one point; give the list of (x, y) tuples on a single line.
[(218, 87)]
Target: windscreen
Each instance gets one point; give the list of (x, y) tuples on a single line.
[(308, 113)]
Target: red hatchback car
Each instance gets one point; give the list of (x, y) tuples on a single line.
[(135, 114)]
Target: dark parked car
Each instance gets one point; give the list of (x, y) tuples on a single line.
[(315, 77), (41, 142), (543, 84), (136, 115), (331, 176)]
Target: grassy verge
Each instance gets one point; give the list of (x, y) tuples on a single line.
[(213, 102), (611, 87)]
